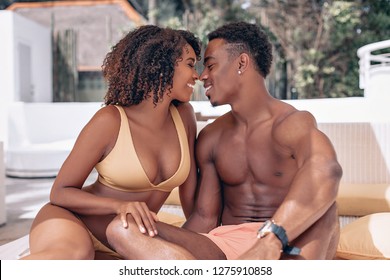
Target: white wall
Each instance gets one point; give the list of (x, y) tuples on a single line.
[(7, 75), (3, 216), (17, 31), (379, 83), (38, 39), (326, 110)]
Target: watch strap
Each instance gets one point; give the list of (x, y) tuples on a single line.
[(290, 250), (280, 233)]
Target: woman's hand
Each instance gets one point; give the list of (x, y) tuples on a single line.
[(143, 217)]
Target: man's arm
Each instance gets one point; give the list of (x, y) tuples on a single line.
[(314, 188), (188, 188), (315, 185), (208, 205)]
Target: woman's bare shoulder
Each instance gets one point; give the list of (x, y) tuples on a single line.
[(186, 110), (105, 122), (187, 115), (106, 116)]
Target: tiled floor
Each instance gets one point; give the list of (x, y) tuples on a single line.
[(24, 198)]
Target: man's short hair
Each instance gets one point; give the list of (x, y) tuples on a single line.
[(243, 37)]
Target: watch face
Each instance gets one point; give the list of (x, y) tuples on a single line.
[(265, 229), (280, 233)]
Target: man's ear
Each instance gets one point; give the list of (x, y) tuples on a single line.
[(243, 62)]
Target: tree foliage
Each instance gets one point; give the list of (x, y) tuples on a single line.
[(308, 35), (4, 4), (315, 40), (199, 16)]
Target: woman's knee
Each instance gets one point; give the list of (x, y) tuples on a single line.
[(57, 234), (78, 252), (86, 253), (63, 251)]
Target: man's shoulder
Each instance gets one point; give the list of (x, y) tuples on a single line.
[(294, 126), (215, 128), (220, 124), (292, 118)]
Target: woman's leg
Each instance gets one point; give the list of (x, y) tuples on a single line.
[(57, 234)]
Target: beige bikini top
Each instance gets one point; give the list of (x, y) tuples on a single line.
[(122, 170)]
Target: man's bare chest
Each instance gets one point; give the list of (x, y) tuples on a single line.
[(258, 160)]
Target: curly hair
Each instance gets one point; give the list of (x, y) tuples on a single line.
[(142, 64), (245, 37)]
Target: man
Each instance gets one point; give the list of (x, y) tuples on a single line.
[(268, 178)]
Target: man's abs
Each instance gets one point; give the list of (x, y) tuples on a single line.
[(250, 203)]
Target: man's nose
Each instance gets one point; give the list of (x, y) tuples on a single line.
[(203, 76)]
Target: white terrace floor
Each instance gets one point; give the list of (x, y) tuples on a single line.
[(24, 198)]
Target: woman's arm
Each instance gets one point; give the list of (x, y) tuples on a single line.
[(94, 142)]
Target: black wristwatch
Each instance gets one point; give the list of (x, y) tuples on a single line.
[(270, 226)]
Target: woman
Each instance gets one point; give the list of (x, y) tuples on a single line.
[(141, 143)]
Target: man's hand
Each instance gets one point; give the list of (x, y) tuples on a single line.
[(266, 248)]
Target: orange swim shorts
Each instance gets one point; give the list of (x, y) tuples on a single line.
[(234, 240)]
